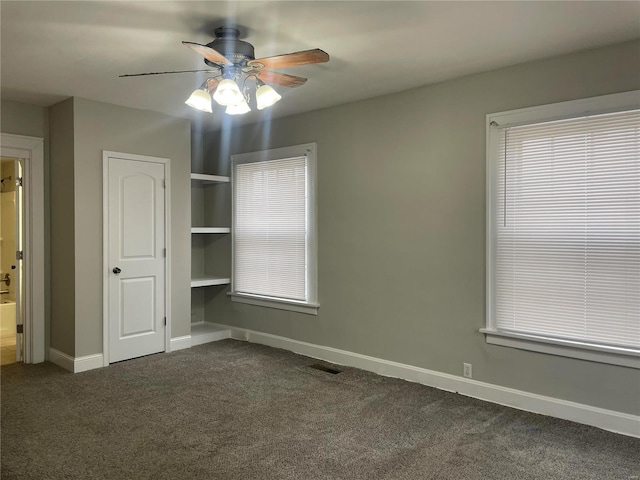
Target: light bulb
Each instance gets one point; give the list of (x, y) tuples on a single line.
[(239, 109), (228, 93), (266, 96), (200, 100)]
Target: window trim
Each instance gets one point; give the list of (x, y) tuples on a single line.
[(312, 305), (564, 348), (617, 102)]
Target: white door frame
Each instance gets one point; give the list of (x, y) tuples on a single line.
[(105, 244), (31, 150)]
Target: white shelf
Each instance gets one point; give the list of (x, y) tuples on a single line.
[(206, 332), (210, 230), (209, 178), (208, 281)]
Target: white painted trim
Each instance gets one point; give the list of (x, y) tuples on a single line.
[(564, 348), (105, 259), (180, 343), (615, 102), (618, 422), (209, 337), (208, 281), (106, 154), (31, 149), (61, 359), (280, 304), (492, 136), (206, 178), (308, 150), (88, 362), (167, 245), (544, 113), (210, 230), (75, 364)]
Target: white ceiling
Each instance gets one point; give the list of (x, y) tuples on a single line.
[(53, 50)]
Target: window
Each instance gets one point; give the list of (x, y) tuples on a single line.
[(563, 227), (274, 228)]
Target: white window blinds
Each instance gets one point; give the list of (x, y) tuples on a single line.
[(567, 226), (270, 228)]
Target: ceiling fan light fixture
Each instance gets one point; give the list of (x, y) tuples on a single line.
[(228, 93), (239, 109), (200, 100), (232, 61), (266, 96)]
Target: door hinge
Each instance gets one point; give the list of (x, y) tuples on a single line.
[(164, 252), (20, 328), (165, 321), (164, 183), (19, 182), (19, 255)]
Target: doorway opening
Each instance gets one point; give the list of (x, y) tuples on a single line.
[(11, 275), (31, 305)]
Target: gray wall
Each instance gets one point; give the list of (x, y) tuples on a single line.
[(23, 119), (402, 226), (97, 127), (76, 131), (30, 120), (62, 208), (80, 130)]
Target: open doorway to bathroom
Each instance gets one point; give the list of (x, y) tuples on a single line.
[(11, 324), (32, 294)]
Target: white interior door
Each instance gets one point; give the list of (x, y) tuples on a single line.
[(136, 258)]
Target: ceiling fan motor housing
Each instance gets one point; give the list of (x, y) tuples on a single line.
[(227, 43)]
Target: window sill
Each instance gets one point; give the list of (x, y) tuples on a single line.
[(292, 306), (595, 353)]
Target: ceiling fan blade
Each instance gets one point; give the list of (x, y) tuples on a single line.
[(291, 59), (283, 79), (164, 73), (208, 53)]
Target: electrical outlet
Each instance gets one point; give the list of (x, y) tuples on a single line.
[(467, 370)]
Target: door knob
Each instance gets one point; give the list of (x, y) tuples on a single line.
[(116, 270)]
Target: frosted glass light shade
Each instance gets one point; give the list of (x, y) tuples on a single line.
[(228, 93), (266, 96), (200, 100), (239, 109)]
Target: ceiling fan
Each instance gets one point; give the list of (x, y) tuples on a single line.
[(234, 66)]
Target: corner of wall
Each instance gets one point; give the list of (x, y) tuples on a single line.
[(62, 243)]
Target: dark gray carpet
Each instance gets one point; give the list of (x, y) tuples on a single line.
[(234, 410)]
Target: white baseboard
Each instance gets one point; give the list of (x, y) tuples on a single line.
[(611, 420), (75, 364), (200, 335), (180, 343), (88, 362), (61, 359)]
